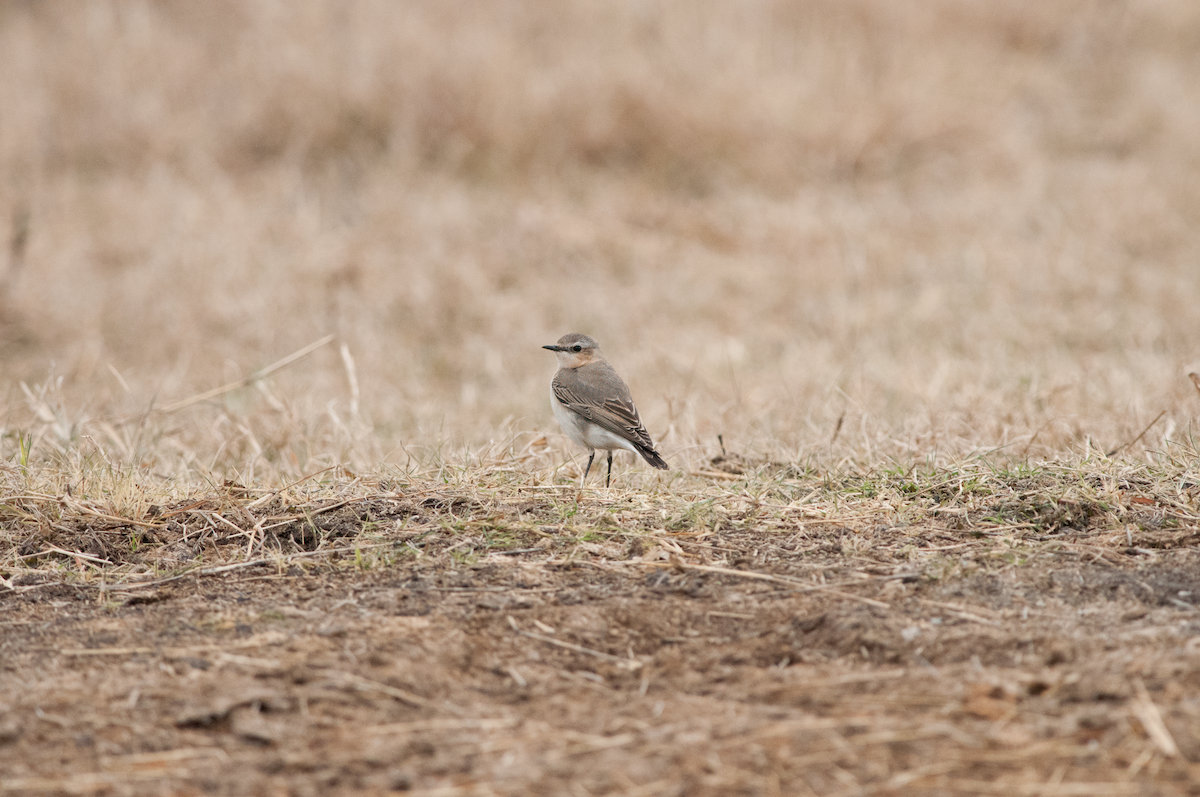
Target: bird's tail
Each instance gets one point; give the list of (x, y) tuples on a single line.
[(651, 456)]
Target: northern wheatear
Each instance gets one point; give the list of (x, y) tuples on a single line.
[(593, 405)]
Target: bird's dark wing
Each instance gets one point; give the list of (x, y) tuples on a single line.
[(596, 392)]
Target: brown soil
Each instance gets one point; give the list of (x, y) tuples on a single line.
[(485, 649)]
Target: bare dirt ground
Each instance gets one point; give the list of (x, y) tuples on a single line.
[(433, 640)]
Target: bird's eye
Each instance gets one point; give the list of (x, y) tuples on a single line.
[(576, 348)]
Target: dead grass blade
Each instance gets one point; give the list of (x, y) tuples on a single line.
[(961, 613), (1148, 714), (254, 377), (441, 724), (623, 663), (1142, 434), (796, 585), (367, 685)]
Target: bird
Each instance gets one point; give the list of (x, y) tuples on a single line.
[(593, 405)]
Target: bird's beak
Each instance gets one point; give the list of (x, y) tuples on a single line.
[(553, 348)]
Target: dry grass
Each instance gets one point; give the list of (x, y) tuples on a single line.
[(961, 226), (929, 271)]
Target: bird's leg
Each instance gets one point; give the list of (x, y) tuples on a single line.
[(588, 468), (608, 478)]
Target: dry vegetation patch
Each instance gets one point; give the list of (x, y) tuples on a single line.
[(907, 295), (897, 631)]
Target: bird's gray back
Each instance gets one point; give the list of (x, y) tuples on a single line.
[(598, 393)]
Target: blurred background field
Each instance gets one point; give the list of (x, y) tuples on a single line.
[(938, 227)]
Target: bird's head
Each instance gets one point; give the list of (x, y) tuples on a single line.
[(574, 350)]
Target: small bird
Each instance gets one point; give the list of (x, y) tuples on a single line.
[(593, 405)]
